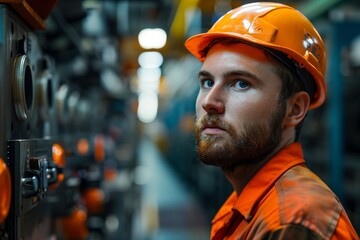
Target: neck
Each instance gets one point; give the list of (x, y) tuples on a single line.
[(240, 175)]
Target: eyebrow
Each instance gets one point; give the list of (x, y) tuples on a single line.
[(204, 73)]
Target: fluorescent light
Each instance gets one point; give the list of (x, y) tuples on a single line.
[(152, 38), (150, 59), (148, 107), (149, 79)]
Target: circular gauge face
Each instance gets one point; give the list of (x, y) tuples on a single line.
[(23, 87)]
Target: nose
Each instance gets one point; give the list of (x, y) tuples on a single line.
[(213, 101)]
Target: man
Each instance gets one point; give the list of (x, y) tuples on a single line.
[(263, 69)]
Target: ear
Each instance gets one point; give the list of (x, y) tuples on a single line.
[(297, 108)]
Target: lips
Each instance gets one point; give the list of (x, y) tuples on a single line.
[(211, 125), (212, 129)]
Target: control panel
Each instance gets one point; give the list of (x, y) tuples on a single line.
[(33, 171)]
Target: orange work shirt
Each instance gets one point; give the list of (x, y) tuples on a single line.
[(284, 200)]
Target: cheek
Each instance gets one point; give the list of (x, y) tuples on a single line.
[(250, 109), (237, 113)]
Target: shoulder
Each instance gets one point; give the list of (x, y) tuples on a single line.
[(307, 201)]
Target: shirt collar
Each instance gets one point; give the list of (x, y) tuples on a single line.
[(263, 180)]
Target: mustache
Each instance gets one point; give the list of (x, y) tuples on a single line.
[(211, 121)]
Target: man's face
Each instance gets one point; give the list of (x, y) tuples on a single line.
[(239, 118)]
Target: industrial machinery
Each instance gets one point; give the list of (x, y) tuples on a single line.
[(55, 168), (26, 147)]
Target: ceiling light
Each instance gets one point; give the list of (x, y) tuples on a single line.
[(152, 38), (150, 59)]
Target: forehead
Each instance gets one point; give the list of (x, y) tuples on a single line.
[(239, 56), (240, 48)]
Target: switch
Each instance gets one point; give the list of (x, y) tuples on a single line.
[(39, 166), (30, 186), (52, 173)]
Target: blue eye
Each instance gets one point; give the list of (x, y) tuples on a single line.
[(207, 83), (241, 84)]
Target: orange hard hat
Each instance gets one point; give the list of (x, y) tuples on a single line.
[(279, 29)]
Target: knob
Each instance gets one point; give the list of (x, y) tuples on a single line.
[(5, 191), (94, 199), (58, 155), (74, 226)]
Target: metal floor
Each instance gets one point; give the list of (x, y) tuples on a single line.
[(167, 209)]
